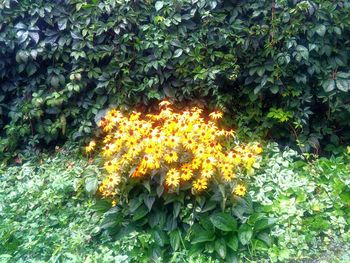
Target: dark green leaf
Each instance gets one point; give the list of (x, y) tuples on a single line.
[(224, 221)]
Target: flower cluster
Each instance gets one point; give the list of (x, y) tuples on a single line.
[(185, 147)]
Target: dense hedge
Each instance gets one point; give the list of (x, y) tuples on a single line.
[(281, 66)]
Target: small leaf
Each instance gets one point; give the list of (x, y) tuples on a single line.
[(343, 84), (328, 85), (62, 24), (159, 5), (321, 30), (178, 53)]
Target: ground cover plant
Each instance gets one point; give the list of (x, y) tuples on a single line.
[(51, 218)]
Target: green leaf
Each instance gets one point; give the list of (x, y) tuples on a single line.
[(175, 237), (321, 30), (149, 201), (343, 84), (91, 185), (201, 235), (159, 5), (140, 212), (232, 242), (159, 236), (328, 85), (178, 53), (220, 247), (245, 234), (264, 223), (345, 197), (265, 238), (224, 221)]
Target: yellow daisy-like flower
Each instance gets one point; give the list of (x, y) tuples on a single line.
[(108, 150), (216, 115), (200, 184), (172, 178), (186, 173), (171, 157), (164, 103), (240, 190), (90, 146)]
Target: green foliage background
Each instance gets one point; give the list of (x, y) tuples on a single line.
[(280, 67)]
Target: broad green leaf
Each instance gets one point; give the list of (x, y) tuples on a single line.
[(232, 242), (201, 235), (265, 238), (220, 247), (175, 237), (264, 223), (245, 234), (91, 185), (149, 201), (140, 212), (224, 221)]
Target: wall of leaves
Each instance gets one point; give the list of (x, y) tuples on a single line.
[(278, 67)]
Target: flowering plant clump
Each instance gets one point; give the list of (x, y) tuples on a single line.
[(182, 147)]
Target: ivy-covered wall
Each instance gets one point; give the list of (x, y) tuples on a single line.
[(277, 67)]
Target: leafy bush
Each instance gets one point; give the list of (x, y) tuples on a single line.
[(170, 173), (63, 61), (311, 201)]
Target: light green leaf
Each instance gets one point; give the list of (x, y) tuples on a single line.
[(159, 5)]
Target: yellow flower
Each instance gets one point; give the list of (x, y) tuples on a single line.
[(216, 115), (108, 150), (114, 203), (172, 178), (207, 173), (139, 171), (90, 146), (200, 184), (164, 103), (196, 163), (240, 190), (150, 162), (171, 157), (348, 148), (189, 144), (186, 172), (257, 149)]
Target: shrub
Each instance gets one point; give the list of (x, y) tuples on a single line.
[(171, 173), (62, 62)]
